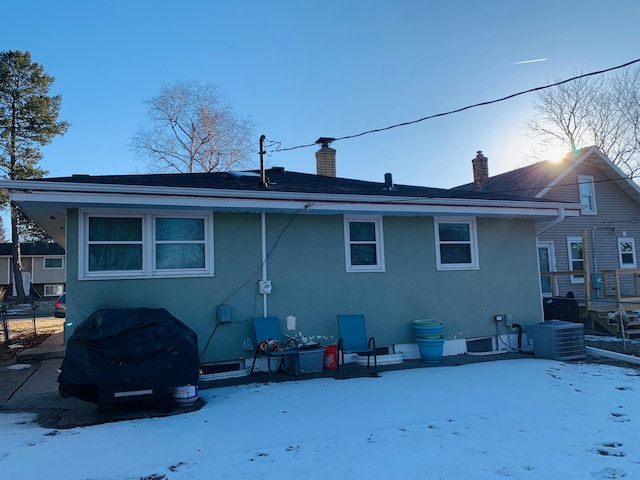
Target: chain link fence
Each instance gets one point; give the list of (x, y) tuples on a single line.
[(27, 321)]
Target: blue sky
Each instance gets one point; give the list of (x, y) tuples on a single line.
[(303, 69)]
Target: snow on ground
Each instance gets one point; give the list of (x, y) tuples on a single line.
[(523, 419)]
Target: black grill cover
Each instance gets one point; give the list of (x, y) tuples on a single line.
[(560, 308), (131, 348)]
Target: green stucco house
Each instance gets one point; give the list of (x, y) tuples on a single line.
[(303, 247)]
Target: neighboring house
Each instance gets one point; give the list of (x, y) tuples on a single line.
[(43, 269), (396, 253), (605, 233)]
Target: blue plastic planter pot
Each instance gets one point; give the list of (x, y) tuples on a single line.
[(428, 335), (430, 349), (427, 327)]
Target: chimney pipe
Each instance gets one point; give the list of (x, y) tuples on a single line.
[(326, 158), (480, 170)]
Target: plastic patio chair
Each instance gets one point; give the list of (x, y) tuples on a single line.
[(268, 336), (352, 338)]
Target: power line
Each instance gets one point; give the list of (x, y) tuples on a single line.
[(481, 104)]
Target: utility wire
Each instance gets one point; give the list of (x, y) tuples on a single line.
[(481, 104), (275, 244)]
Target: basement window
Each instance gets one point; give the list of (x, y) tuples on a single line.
[(53, 290)]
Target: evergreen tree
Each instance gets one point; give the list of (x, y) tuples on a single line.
[(28, 121)]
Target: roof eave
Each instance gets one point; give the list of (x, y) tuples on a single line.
[(278, 201), (47, 203)]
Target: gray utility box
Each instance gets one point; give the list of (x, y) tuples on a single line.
[(557, 340), (311, 361)]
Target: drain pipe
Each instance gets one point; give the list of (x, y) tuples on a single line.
[(553, 223), (263, 225)]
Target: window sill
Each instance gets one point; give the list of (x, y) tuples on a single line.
[(451, 268), (146, 277), (377, 270)]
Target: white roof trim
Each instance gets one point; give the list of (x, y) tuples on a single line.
[(566, 172), (233, 200)]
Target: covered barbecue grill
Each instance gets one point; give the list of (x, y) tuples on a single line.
[(119, 355)]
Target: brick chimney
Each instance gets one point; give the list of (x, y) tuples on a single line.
[(480, 170), (326, 158)]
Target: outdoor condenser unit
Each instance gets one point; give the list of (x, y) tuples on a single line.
[(557, 340)]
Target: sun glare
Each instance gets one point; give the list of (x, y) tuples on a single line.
[(555, 153)]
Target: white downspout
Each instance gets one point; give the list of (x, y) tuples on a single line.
[(553, 223), (263, 224)]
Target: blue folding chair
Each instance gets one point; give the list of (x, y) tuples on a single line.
[(352, 338), (269, 343)]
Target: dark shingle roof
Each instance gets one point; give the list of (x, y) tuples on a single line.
[(279, 180), (526, 182), (33, 249)]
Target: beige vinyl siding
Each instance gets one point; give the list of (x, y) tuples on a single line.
[(5, 270), (617, 213), (40, 274)]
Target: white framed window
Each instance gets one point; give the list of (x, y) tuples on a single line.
[(456, 243), (53, 290), (53, 263), (142, 244), (179, 244), (115, 245), (576, 257), (587, 191), (364, 244), (627, 252)]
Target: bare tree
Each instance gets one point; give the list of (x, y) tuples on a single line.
[(627, 97), (191, 129), (592, 111)]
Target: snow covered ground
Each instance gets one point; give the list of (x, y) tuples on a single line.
[(524, 419)]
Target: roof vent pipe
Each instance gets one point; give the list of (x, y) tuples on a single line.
[(388, 182)]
